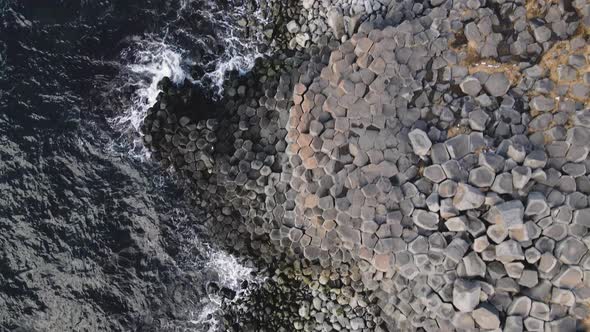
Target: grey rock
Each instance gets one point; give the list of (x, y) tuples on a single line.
[(513, 324), (566, 73), (468, 197), (302, 39), (497, 233), (563, 324), (482, 176), (470, 86), (536, 204), (542, 103), (456, 224), (439, 153), (556, 231), (540, 310), (568, 277), (514, 269), (456, 249), (335, 21), (426, 220), (435, 173), (448, 188), (507, 285), (509, 251), (311, 252), (510, 214), (534, 324), (357, 323), (542, 34), (463, 321), (433, 202), (497, 84), (574, 169), (455, 171), (478, 120), (419, 245), (570, 250), (491, 160), (295, 234), (532, 255), (486, 316), (516, 152), (521, 176), (308, 4), (529, 278), (563, 297), (582, 217), (474, 265), (480, 244), (292, 27), (420, 142), (520, 306), (458, 146), (466, 295)]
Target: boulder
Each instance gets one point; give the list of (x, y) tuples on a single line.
[(497, 84), (466, 294), (468, 197), (335, 21)]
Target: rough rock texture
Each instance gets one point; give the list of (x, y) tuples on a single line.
[(437, 165)]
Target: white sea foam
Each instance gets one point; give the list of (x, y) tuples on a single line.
[(152, 57), (153, 61), (229, 273)]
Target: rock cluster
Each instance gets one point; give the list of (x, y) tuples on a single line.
[(289, 300), (437, 167), (316, 20)]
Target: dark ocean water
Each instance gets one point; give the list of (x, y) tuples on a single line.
[(93, 236)]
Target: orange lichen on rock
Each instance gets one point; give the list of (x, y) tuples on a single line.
[(538, 8), (457, 130), (558, 57), (491, 66)]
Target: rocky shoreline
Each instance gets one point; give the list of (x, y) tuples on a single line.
[(408, 166)]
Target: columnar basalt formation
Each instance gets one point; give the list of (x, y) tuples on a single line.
[(434, 170)]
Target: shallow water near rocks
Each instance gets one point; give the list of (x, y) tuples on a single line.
[(94, 237)]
